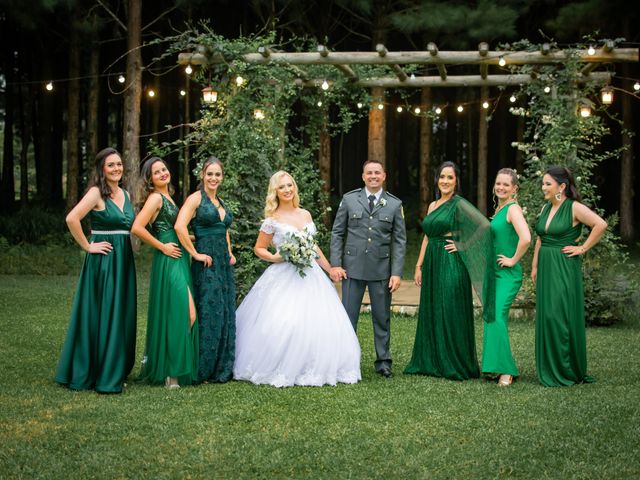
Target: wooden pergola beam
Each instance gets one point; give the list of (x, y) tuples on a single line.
[(433, 53), (382, 51), (483, 50), (617, 55), (454, 81), (346, 69), (266, 53)]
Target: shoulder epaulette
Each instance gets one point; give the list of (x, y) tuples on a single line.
[(357, 190)]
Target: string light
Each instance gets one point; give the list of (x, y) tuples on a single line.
[(502, 62), (380, 106), (49, 86), (417, 110), (636, 86), (188, 70), (485, 104), (399, 109), (182, 93), (359, 104), (547, 89), (591, 50), (606, 95), (325, 85), (413, 76), (512, 99), (239, 81), (258, 114), (151, 93), (319, 103), (438, 110), (460, 109), (121, 79)]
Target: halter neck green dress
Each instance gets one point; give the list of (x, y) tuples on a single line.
[(99, 350), (172, 343), (496, 350), (561, 346), (445, 342), (214, 292)]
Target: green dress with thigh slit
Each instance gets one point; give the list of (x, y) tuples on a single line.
[(172, 343)]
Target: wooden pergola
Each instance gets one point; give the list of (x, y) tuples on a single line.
[(399, 78)]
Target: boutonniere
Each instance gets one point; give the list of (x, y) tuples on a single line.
[(383, 202)]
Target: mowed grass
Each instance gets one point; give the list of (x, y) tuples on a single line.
[(406, 427)]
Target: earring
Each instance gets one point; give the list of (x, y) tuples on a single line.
[(515, 196), (150, 187), (495, 200), (558, 196)]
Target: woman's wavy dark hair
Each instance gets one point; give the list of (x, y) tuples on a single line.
[(98, 179), (145, 185), (564, 175), (207, 163), (441, 167)]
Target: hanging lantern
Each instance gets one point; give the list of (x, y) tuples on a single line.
[(584, 109), (258, 114), (209, 95), (606, 95)]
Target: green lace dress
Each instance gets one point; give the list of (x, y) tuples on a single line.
[(561, 346), (445, 341), (496, 350), (214, 293), (172, 344), (99, 350)]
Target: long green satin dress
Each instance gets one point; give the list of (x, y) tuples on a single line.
[(496, 350), (172, 343), (445, 342), (214, 293), (561, 346), (99, 350)]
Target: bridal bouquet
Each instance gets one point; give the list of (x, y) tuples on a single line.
[(298, 249)]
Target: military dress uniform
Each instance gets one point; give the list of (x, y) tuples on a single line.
[(370, 245)]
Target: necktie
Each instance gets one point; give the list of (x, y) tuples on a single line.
[(372, 199)]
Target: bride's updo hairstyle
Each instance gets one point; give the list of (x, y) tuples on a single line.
[(272, 202)]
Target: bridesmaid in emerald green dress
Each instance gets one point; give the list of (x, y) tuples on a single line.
[(214, 289), (171, 354), (456, 252), (511, 239), (561, 347), (99, 350)]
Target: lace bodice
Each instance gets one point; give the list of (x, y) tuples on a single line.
[(278, 229)]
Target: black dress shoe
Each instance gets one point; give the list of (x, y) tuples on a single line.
[(385, 372)]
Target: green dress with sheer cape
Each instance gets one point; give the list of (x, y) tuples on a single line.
[(214, 292), (172, 343), (99, 350), (561, 346), (445, 341), (496, 350)]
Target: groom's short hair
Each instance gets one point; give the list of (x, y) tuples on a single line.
[(364, 165)]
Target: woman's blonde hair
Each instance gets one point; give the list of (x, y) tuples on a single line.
[(272, 202)]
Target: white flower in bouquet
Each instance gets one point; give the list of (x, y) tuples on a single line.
[(299, 249)]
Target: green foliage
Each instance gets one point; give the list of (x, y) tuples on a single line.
[(33, 224), (286, 138), (556, 135)]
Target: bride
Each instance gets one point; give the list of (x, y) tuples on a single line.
[(293, 329)]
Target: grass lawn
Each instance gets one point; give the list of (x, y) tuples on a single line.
[(406, 427)]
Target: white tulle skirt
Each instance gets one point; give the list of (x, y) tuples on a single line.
[(292, 330)]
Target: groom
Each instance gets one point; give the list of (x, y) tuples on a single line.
[(368, 242)]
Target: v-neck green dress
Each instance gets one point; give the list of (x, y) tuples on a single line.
[(496, 350), (99, 350), (561, 347), (172, 343)]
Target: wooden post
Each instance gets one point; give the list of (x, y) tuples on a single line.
[(186, 167), (377, 128), (482, 152), (424, 172), (324, 160), (626, 168)]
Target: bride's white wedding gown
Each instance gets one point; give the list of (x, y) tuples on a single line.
[(293, 330)]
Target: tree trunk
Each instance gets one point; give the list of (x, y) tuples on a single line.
[(324, 161), (482, 153), (7, 185), (626, 168), (131, 140), (73, 114), (25, 140), (377, 128), (424, 172), (94, 96)]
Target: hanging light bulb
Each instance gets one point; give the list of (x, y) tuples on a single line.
[(258, 114), (485, 104), (547, 89), (460, 108), (380, 106), (417, 110), (399, 109), (636, 86), (325, 85), (188, 70), (121, 79), (413, 76), (591, 50), (319, 103), (49, 86), (209, 95), (438, 110), (512, 99), (151, 93), (501, 61), (359, 104), (239, 81), (183, 93), (606, 95)]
